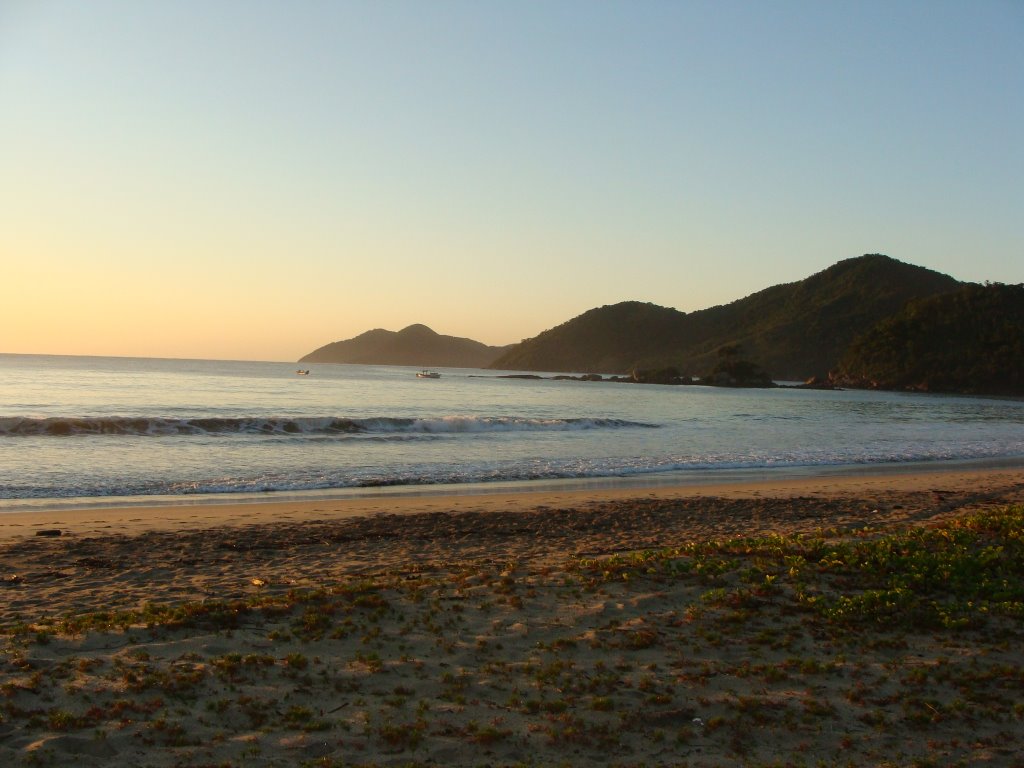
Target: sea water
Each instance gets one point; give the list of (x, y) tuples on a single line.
[(88, 429)]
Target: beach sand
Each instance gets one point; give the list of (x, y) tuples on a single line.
[(498, 629)]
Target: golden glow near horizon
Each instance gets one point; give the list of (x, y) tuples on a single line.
[(252, 183)]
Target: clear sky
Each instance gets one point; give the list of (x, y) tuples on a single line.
[(253, 179)]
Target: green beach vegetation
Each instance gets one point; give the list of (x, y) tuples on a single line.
[(862, 646)]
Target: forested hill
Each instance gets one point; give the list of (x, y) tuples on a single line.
[(416, 345), (608, 339), (794, 330), (971, 340)]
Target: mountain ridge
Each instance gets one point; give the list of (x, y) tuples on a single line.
[(796, 330), (415, 344)]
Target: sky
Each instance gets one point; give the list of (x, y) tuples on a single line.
[(249, 179)]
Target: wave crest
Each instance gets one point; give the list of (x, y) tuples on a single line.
[(60, 426)]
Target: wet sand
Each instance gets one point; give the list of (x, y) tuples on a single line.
[(119, 558)]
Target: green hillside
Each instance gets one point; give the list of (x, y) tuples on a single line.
[(609, 339), (416, 345), (971, 340), (794, 330)]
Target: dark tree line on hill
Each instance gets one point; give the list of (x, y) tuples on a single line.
[(971, 340)]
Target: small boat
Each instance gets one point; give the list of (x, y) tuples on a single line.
[(425, 374), (302, 372)]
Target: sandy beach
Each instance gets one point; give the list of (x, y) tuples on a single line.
[(587, 627)]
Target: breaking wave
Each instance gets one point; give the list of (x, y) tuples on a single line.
[(157, 427)]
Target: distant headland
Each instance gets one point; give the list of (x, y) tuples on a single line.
[(865, 322), (416, 345)]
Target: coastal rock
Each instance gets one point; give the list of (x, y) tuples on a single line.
[(816, 382), (732, 371), (667, 375)]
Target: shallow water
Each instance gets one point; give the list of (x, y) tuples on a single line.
[(73, 427)]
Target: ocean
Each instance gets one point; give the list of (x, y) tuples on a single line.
[(85, 430)]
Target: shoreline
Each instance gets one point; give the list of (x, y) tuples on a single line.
[(681, 478), (675, 481), (101, 519)]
